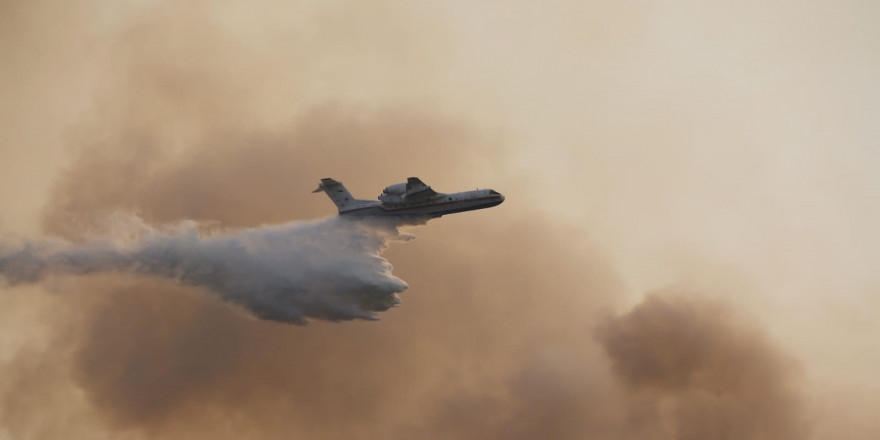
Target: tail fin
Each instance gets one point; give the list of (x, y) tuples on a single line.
[(337, 193)]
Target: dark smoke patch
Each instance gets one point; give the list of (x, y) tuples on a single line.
[(702, 372)]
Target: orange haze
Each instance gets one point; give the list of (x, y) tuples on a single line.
[(688, 249)]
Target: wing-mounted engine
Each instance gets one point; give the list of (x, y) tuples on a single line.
[(413, 191), (394, 194)]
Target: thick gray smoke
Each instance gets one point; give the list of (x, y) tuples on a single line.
[(325, 269)]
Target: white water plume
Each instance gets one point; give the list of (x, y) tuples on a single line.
[(327, 269)]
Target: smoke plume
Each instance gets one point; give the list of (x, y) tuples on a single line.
[(728, 146), (701, 372), (326, 269)]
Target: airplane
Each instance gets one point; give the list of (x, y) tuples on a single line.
[(411, 199)]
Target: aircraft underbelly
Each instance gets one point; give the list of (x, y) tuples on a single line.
[(431, 210)]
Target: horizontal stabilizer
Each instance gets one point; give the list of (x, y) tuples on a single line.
[(337, 193)]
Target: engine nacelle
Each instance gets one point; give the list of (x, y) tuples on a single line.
[(394, 194), (397, 189)]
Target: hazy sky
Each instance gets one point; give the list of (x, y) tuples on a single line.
[(688, 248)]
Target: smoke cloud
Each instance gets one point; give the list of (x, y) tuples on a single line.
[(326, 269), (703, 373), (727, 146)]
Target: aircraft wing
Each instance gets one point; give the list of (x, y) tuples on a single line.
[(416, 189)]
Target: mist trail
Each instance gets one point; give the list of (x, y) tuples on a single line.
[(328, 269)]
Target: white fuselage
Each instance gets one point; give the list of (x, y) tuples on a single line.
[(434, 206)]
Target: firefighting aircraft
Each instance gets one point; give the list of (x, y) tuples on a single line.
[(410, 199)]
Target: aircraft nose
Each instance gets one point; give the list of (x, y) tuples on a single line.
[(498, 195)]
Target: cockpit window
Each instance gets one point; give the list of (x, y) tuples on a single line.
[(492, 191)]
